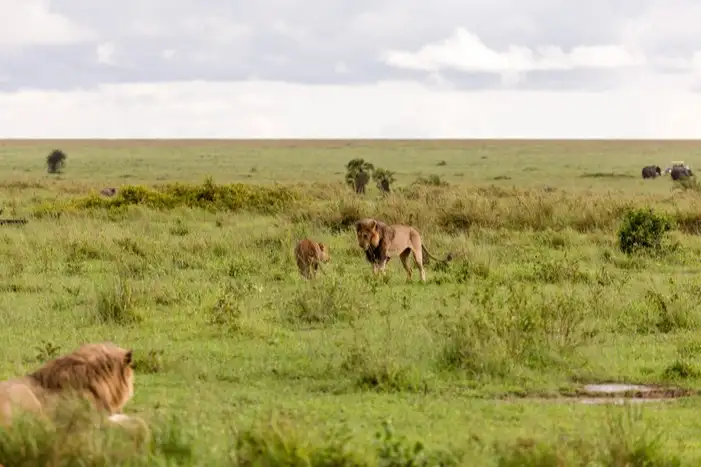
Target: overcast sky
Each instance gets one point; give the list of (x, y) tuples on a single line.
[(350, 68)]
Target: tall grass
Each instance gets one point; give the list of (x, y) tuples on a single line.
[(452, 209), (78, 438)]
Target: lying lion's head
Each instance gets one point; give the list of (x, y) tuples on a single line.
[(101, 371), (368, 233), (324, 257)]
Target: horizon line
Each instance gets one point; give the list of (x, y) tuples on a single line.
[(337, 139)]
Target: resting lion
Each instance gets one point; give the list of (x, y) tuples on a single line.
[(382, 242), (102, 373), (310, 255)]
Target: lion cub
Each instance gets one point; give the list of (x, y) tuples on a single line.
[(309, 255)]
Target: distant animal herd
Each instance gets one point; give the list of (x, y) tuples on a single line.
[(677, 171)]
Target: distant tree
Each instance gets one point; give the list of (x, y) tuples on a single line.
[(362, 179), (384, 179), (358, 174), (55, 161)]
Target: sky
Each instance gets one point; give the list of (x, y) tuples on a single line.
[(350, 69)]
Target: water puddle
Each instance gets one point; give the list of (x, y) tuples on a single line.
[(632, 392), (618, 394), (616, 388), (617, 400)]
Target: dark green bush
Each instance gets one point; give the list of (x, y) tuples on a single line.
[(55, 161), (642, 229)]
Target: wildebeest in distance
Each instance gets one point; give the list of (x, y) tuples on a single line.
[(652, 171), (679, 171)]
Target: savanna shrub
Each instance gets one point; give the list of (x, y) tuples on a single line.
[(502, 328), (325, 301), (115, 304), (376, 369), (642, 229), (228, 311), (55, 161), (208, 195), (281, 443), (396, 450)]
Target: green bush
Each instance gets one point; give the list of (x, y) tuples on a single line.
[(208, 195), (642, 229)]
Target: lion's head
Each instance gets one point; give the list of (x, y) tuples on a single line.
[(368, 233), (100, 371), (325, 256)]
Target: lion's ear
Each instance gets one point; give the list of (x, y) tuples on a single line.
[(128, 357)]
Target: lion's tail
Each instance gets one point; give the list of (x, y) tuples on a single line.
[(429, 255)]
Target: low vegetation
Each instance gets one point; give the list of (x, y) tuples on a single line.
[(55, 161), (240, 361)]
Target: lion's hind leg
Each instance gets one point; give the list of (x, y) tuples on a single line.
[(419, 260), (313, 268), (303, 266), (404, 257), (17, 398)]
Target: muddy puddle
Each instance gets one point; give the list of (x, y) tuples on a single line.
[(618, 394), (632, 391)]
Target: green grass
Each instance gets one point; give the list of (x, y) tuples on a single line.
[(240, 360)]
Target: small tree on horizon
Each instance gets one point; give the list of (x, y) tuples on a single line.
[(55, 161), (358, 174), (384, 179)]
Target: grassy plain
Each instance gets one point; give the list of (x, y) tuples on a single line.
[(263, 368)]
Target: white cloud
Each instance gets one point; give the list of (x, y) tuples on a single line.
[(283, 28), (216, 29), (30, 22), (465, 51), (388, 110), (168, 54), (663, 24), (341, 67), (105, 53)]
